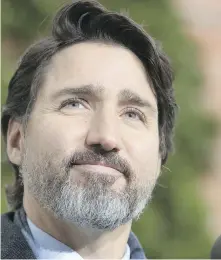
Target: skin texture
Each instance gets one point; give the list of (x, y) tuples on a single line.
[(89, 156)]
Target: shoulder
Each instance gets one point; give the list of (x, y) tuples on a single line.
[(8, 232), (13, 243), (7, 222), (8, 217)]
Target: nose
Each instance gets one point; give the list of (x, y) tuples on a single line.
[(103, 132)]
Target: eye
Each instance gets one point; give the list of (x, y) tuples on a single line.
[(134, 114), (75, 103)]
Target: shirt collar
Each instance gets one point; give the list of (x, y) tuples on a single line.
[(51, 248)]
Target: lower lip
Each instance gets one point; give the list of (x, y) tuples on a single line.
[(98, 168)]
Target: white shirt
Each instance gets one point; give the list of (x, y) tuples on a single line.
[(45, 246)]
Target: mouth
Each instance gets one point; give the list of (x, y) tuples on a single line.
[(100, 163)]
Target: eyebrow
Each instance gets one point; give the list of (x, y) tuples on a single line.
[(126, 96), (88, 90)]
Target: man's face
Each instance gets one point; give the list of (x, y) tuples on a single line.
[(91, 149)]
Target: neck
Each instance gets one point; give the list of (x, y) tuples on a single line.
[(88, 243)]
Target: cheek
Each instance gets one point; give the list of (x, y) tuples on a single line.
[(144, 154), (57, 133)]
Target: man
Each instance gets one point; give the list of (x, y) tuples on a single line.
[(88, 124)]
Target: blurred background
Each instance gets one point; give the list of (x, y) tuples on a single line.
[(185, 216)]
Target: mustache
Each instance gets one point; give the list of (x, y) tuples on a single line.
[(110, 159)]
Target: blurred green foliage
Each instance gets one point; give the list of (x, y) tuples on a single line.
[(174, 225)]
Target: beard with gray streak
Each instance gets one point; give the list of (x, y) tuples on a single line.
[(88, 202)]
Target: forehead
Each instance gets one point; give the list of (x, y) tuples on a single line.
[(111, 66)]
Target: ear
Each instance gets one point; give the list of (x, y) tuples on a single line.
[(14, 141), (159, 165)]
